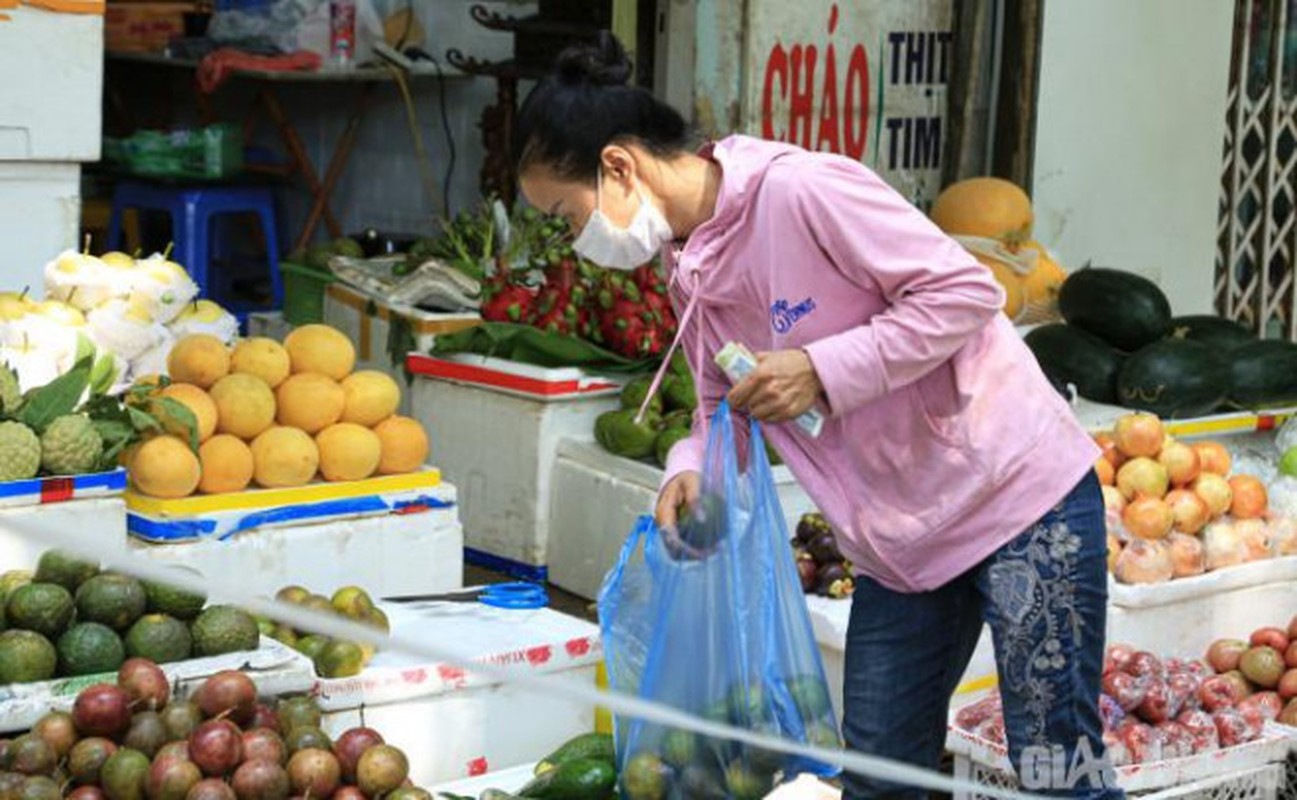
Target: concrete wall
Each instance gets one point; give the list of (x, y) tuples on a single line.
[(1129, 137)]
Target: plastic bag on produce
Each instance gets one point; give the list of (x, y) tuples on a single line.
[(711, 620)]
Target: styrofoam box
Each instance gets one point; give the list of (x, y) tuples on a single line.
[(595, 499), (829, 620), (1183, 617), (399, 553), (454, 723), (495, 428), (366, 319), (273, 667), (101, 520)]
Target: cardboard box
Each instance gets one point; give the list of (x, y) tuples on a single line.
[(143, 27)]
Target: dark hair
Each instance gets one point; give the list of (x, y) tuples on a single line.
[(586, 104)]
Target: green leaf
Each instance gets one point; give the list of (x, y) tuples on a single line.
[(56, 398), (533, 346), (85, 347), (142, 420), (401, 342), (176, 418), (118, 434)]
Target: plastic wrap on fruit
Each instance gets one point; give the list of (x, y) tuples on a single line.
[(1234, 727), (204, 316), (162, 286), (128, 331), (1178, 741), (992, 730), (1263, 705), (1143, 742), (1144, 663), (974, 714), (1126, 689), (1183, 687), (1201, 729), (1283, 535), (80, 279), (1282, 494), (1111, 712), (619, 433), (1115, 748), (1117, 657), (1156, 707)]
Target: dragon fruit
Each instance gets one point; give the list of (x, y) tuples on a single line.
[(504, 299), (626, 325)]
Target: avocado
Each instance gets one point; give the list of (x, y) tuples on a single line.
[(633, 394), (112, 600), (578, 779), (224, 629), (11, 580), (26, 657), (159, 638), (678, 393), (811, 695), (597, 746), (44, 608), (620, 434), (61, 567), (178, 603), (89, 648)]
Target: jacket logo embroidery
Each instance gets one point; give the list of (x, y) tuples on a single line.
[(783, 315)]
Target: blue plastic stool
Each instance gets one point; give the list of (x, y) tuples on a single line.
[(192, 209)]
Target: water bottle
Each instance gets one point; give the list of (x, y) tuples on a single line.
[(342, 31)]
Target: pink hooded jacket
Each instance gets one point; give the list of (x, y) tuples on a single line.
[(943, 440)]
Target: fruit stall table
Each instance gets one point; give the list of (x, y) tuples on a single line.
[(91, 505), (455, 724), (498, 428), (594, 501), (400, 532)]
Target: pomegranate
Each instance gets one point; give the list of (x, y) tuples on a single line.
[(1201, 729), (1214, 458), (1187, 558), (1148, 518), (171, 779), (1125, 688), (1268, 704), (1144, 663), (1249, 497), (1270, 637), (1138, 435), (350, 746), (216, 747), (1289, 714), (314, 772), (1189, 511), (1105, 472), (1263, 666), (1183, 687), (228, 693), (211, 789), (1292, 628), (1143, 742), (1109, 447), (265, 745), (1156, 705), (1224, 654), (1142, 476), (1241, 682), (87, 757), (1215, 491), (1181, 462), (1113, 499), (1117, 657), (1145, 561), (260, 780), (145, 683), (1218, 692), (1176, 741), (1290, 655), (102, 710), (1222, 546)]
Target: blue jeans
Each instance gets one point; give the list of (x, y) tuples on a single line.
[(1044, 596)]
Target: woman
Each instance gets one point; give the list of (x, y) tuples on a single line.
[(961, 485)]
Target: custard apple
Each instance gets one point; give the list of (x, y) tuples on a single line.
[(20, 452), (10, 395), (71, 446)]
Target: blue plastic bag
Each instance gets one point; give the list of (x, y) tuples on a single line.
[(712, 620)]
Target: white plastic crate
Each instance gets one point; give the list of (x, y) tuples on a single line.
[(1252, 770), (495, 427), (595, 499)]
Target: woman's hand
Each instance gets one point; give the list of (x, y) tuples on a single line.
[(782, 387), (682, 490)]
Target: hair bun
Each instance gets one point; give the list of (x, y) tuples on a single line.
[(604, 63)]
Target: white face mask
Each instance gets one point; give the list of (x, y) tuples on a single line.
[(622, 248)]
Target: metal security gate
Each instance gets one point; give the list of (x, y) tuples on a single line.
[(1257, 232)]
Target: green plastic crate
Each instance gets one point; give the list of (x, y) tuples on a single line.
[(304, 289)]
